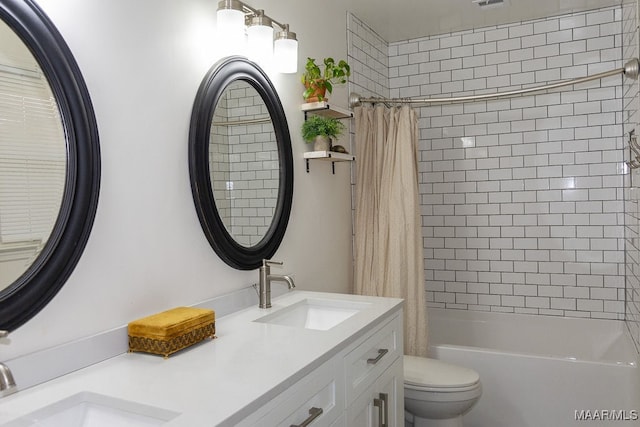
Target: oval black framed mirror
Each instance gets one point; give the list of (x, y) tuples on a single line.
[(240, 163), (75, 151)]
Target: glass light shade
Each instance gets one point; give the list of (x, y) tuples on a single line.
[(260, 44), (230, 31), (285, 55)]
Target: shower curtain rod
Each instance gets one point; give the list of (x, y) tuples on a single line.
[(630, 70), (242, 122)]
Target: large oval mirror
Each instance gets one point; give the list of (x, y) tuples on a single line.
[(49, 162), (240, 163)]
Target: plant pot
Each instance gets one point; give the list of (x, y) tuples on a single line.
[(322, 143), (318, 94)]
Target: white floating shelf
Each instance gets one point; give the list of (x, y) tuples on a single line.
[(325, 109), (331, 156)]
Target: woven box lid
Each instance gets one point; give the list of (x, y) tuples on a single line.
[(171, 323)]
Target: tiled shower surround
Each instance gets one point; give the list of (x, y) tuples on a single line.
[(632, 180), (522, 198), (369, 59)]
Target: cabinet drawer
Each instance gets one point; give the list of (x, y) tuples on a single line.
[(323, 389), (372, 357)]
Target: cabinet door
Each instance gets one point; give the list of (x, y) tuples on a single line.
[(382, 405), (340, 422), (317, 400), (360, 413), (389, 397)]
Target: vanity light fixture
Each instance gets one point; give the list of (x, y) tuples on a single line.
[(285, 52), (230, 27), (242, 28), (260, 38)]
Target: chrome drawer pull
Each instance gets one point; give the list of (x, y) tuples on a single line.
[(313, 414), (381, 353)]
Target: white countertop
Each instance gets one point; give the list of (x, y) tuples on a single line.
[(217, 382)]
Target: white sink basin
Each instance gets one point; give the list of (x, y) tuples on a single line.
[(319, 314), (94, 410)]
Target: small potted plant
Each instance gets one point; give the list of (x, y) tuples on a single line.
[(318, 81), (320, 130)]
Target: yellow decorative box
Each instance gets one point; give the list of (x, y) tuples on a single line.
[(172, 330)]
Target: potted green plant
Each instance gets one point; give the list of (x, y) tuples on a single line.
[(317, 81), (320, 130)]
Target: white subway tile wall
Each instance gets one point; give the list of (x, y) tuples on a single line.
[(632, 179), (368, 56), (244, 166), (522, 198), (219, 165)]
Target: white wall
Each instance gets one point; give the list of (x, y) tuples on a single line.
[(143, 61)]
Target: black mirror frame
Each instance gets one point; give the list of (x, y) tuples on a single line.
[(211, 89), (24, 298)]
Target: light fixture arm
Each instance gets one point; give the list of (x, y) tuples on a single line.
[(250, 11)]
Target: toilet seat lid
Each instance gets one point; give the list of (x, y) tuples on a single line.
[(423, 372)]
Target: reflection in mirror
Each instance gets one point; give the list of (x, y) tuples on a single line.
[(49, 162), (33, 158), (243, 162)]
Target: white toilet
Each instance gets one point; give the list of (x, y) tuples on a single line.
[(437, 394)]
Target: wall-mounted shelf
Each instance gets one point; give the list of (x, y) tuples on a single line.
[(325, 109), (330, 156)]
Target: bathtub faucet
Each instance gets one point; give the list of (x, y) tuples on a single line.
[(6, 377), (264, 287)]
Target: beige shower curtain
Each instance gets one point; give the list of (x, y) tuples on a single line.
[(388, 235)]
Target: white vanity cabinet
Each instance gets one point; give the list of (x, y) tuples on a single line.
[(361, 385), (260, 371)]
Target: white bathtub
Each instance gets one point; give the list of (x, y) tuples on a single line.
[(542, 371)]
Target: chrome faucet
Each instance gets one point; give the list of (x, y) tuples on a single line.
[(6, 377), (264, 287)]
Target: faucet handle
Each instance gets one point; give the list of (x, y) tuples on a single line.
[(4, 334), (268, 262)]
